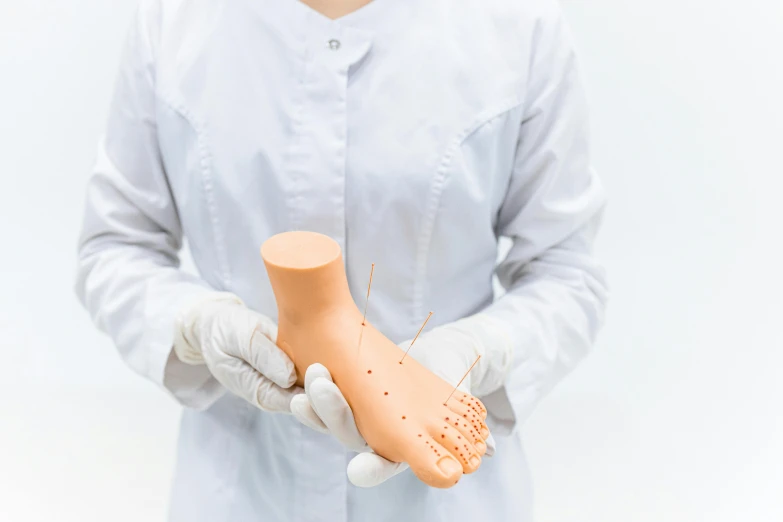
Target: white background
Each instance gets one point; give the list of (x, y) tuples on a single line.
[(677, 415)]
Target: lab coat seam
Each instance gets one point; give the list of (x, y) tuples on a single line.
[(207, 184), (436, 191)]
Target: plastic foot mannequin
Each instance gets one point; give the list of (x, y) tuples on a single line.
[(401, 409)]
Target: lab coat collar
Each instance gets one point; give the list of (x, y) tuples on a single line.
[(345, 40)]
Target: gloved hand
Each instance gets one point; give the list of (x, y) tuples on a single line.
[(238, 346), (448, 351)]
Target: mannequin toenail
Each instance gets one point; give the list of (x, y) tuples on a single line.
[(475, 461), (449, 466)]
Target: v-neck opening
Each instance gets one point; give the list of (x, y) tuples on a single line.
[(354, 18)]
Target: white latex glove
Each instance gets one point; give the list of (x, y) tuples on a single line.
[(238, 346), (447, 351)]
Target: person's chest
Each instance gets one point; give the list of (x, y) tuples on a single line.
[(279, 119)]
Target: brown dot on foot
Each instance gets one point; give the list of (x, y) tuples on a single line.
[(386, 393), (447, 418), (369, 371), (459, 437), (403, 417), (442, 436), (419, 434)]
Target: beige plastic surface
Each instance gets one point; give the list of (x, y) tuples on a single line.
[(400, 408)]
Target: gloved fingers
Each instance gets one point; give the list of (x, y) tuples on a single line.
[(271, 397), (304, 413), (438, 353), (329, 403), (243, 380), (316, 371), (367, 470), (260, 351), (248, 335), (305, 408), (266, 326), (490, 446), (333, 405)]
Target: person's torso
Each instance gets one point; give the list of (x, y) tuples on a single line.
[(393, 131)]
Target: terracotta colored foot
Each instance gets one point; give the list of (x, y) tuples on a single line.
[(402, 409)]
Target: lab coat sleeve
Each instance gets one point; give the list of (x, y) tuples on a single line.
[(555, 289), (128, 274)]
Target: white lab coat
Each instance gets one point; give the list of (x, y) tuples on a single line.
[(415, 133)]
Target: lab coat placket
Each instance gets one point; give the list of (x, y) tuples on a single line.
[(317, 159), (316, 200)]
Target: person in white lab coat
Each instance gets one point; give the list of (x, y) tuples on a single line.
[(414, 133)]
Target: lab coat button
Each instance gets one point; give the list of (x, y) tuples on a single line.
[(334, 44)]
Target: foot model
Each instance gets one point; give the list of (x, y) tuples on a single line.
[(405, 412)]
